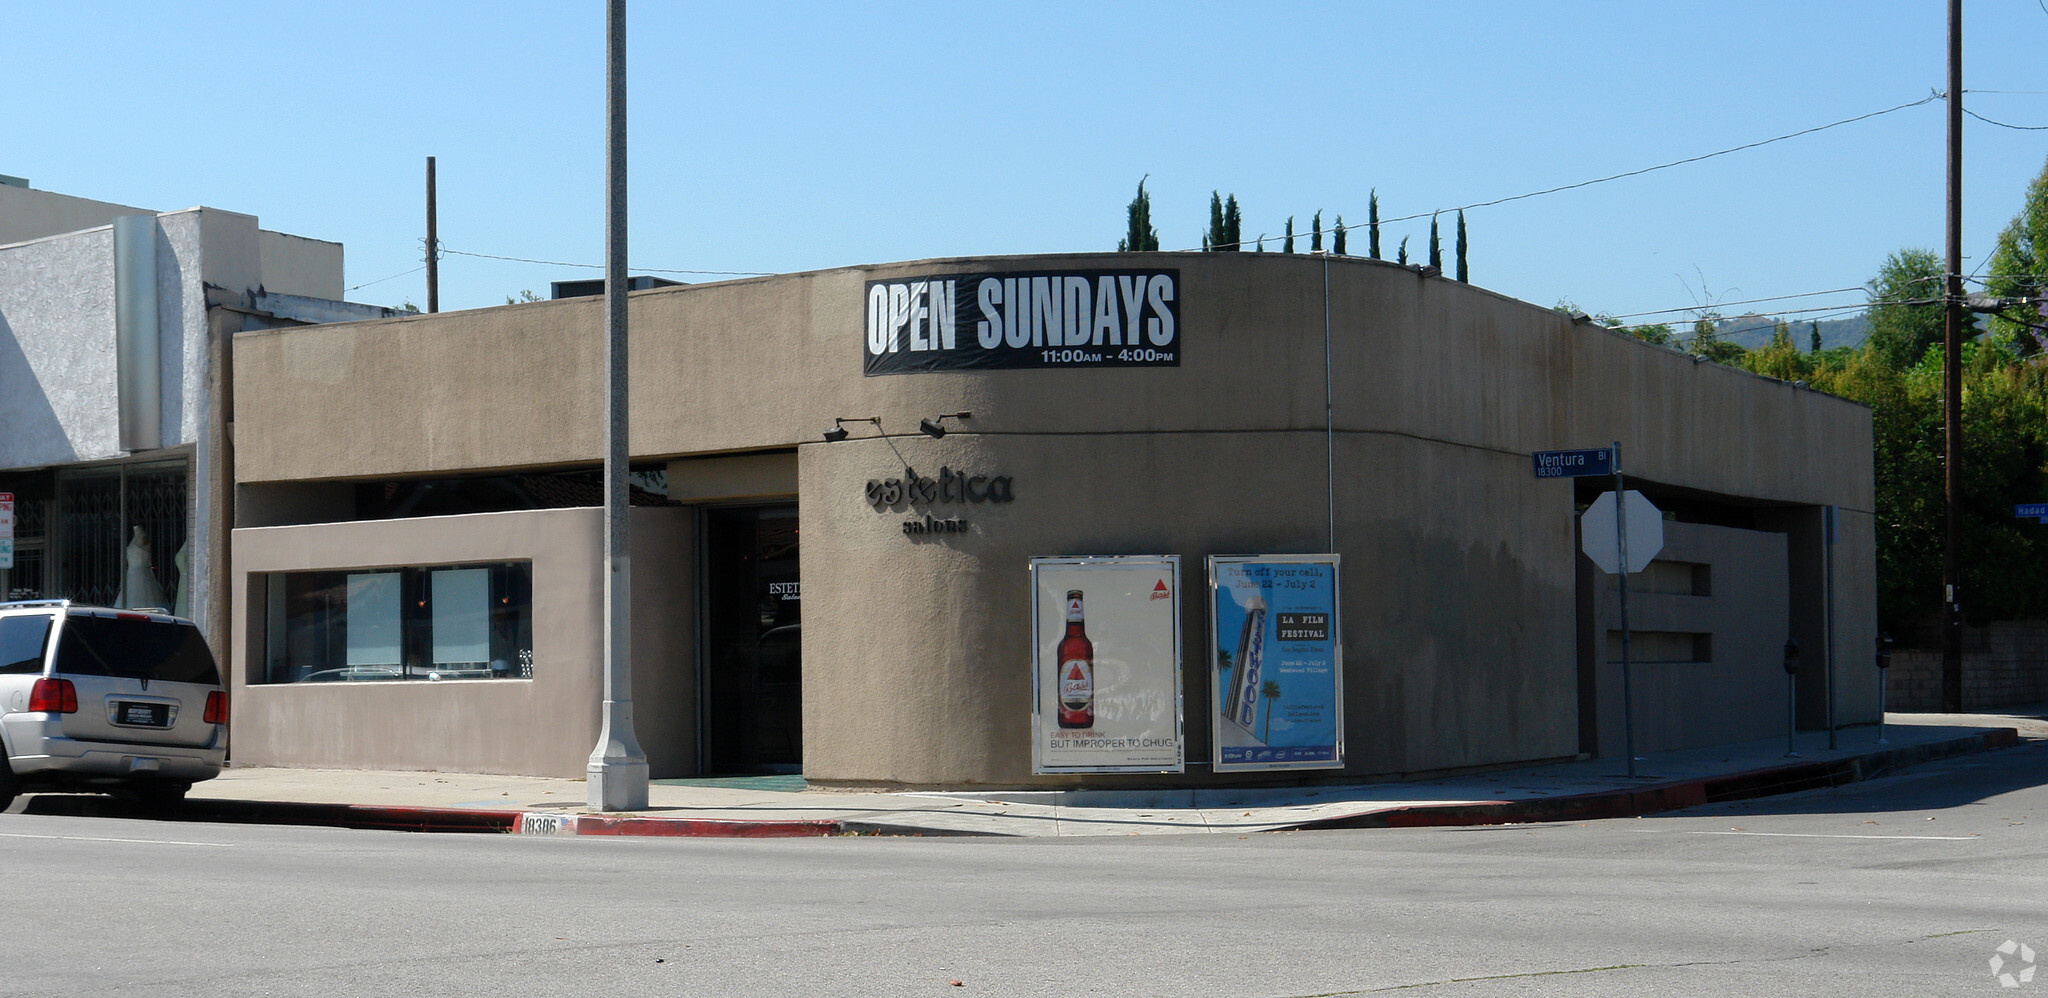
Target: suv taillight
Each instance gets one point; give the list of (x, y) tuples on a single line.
[(216, 707), (53, 696)]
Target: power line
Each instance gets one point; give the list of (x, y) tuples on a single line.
[(599, 266), (393, 277), (1750, 301), (1930, 98), (2001, 124)]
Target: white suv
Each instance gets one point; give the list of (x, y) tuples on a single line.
[(94, 699)]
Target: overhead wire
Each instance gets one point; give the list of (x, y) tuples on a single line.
[(393, 277), (599, 266), (1930, 98), (2001, 124)]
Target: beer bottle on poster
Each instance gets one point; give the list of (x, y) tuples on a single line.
[(1076, 655)]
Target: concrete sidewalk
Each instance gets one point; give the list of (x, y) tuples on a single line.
[(1578, 790)]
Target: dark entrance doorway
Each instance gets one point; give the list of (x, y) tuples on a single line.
[(753, 695)]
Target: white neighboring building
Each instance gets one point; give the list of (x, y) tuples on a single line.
[(114, 339)]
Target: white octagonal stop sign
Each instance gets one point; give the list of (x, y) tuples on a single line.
[(1645, 524)]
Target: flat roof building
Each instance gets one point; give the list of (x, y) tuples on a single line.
[(418, 552), (113, 431)]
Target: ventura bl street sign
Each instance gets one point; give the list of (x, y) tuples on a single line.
[(1574, 463)]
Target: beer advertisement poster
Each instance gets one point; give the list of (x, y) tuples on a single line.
[(1106, 693), (1276, 663)]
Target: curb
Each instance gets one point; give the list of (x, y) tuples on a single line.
[(1621, 803), (1768, 782), (557, 823)]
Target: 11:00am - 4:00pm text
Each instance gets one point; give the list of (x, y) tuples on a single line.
[(1127, 355)]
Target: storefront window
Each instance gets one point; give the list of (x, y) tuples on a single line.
[(428, 623)]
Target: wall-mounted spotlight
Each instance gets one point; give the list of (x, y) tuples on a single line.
[(837, 431), (1428, 271), (932, 427)]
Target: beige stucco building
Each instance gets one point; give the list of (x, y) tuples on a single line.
[(417, 562), (114, 326)]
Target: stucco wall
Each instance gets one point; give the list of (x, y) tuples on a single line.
[(1736, 694), (26, 213), (543, 726), (297, 265), (1459, 567), (57, 350)]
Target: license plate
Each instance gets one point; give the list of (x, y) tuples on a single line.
[(150, 715)]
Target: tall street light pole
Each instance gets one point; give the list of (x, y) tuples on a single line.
[(1952, 379), (618, 769)]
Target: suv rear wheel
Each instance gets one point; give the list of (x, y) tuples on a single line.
[(9, 785)]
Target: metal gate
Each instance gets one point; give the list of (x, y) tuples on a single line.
[(97, 513)]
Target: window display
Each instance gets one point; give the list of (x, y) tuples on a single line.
[(425, 623)]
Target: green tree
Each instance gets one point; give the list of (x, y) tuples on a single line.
[(1707, 342), (1401, 257), (1906, 311), (1288, 246), (1233, 234), (1315, 239), (1337, 238), (1815, 326), (1269, 691), (1213, 240), (1778, 358), (2019, 268), (1659, 333), (1436, 247), (1372, 223), (1464, 275), (1142, 237)]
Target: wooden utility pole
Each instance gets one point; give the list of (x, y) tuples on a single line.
[(433, 245), (1952, 383)]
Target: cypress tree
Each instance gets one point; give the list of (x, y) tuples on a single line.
[(1315, 240), (1233, 238), (1463, 274), (1815, 326), (1142, 237), (1436, 247), (1372, 224), (1337, 240), (1288, 245), (1214, 240), (1402, 259)]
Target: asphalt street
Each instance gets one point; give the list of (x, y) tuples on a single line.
[(1903, 885)]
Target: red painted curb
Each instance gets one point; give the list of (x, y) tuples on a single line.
[(598, 824)]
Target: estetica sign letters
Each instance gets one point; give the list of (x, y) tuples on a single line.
[(1038, 319), (950, 486)]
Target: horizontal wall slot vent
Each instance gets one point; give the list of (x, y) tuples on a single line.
[(1662, 646), (1670, 578)]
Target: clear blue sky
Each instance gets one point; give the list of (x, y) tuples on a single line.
[(782, 137)]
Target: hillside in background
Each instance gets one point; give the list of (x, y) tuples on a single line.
[(1753, 331)]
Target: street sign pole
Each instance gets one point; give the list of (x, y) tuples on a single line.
[(1628, 709)]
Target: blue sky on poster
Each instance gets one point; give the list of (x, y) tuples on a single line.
[(783, 137)]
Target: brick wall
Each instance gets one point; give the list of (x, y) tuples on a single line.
[(2004, 665)]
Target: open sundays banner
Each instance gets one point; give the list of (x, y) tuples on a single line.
[(1024, 320), (1276, 662), (1130, 615)]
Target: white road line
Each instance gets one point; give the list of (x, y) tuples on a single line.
[(89, 838), (1818, 835)]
